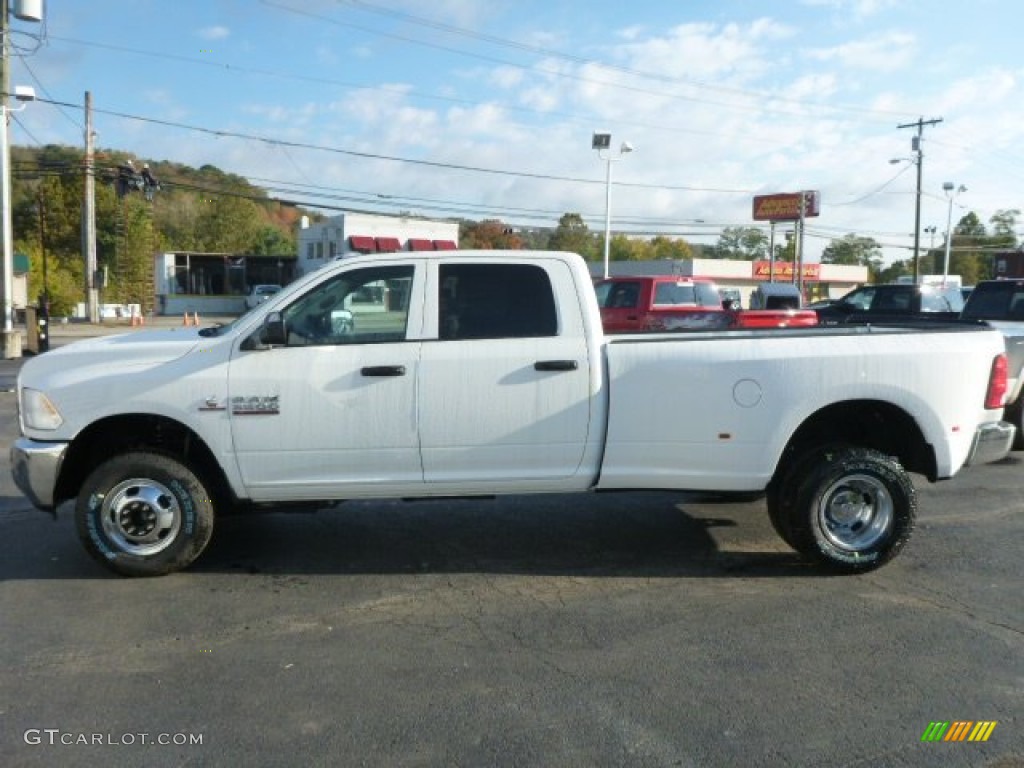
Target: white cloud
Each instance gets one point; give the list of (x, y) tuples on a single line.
[(214, 33), (887, 52), (859, 9)]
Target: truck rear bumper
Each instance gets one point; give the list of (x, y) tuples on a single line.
[(35, 466), (992, 442)]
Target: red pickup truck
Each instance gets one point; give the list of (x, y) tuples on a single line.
[(668, 303)]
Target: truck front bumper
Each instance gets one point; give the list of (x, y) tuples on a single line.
[(992, 442), (35, 466)]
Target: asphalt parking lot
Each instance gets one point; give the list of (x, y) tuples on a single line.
[(646, 629)]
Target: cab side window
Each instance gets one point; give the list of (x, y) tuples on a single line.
[(363, 306), (495, 301)]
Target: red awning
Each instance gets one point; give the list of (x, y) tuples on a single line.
[(362, 243), (445, 245), (388, 244), (420, 244)]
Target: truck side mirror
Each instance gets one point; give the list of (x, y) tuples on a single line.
[(274, 333)]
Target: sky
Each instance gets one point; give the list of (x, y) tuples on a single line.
[(485, 109)]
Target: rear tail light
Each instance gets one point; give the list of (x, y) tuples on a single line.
[(997, 384)]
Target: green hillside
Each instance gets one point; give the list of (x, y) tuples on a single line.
[(202, 209)]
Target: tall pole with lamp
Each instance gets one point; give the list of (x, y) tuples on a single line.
[(25, 10), (602, 141), (952, 192)]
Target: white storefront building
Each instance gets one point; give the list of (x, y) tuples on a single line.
[(350, 233)]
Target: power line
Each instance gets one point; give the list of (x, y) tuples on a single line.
[(511, 108), (32, 74), (391, 158)]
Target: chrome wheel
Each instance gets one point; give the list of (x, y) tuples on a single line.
[(141, 516), (856, 512)]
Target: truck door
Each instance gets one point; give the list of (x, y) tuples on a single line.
[(333, 410), (620, 302), (504, 390)]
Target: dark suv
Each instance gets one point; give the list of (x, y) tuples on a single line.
[(894, 302)]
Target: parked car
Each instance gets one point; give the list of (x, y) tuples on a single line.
[(776, 296), (260, 293), (656, 303), (894, 302)]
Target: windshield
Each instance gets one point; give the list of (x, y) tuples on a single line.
[(996, 301)]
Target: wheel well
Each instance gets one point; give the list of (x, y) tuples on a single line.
[(868, 424), (136, 432)]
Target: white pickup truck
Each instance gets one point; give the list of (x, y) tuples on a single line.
[(480, 373)]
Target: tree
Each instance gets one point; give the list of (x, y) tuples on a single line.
[(227, 224), (573, 235), (663, 247), (856, 250), (967, 246), (271, 241), (489, 234), (893, 272), (627, 249), (743, 243), (1004, 229)]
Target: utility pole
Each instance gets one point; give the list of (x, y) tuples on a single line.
[(25, 10), (89, 217), (915, 146), (11, 339)]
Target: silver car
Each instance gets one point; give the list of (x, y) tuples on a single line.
[(260, 293)]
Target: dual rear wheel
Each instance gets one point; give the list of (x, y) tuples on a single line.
[(850, 508)]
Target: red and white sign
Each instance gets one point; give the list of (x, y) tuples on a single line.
[(786, 206), (785, 270)]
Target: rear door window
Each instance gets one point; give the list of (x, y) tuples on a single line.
[(495, 301)]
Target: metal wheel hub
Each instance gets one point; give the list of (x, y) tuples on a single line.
[(141, 516), (856, 512)]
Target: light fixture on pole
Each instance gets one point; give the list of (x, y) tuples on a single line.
[(952, 191), (602, 142), (931, 230), (915, 146)]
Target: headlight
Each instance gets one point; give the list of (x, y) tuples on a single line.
[(37, 412)]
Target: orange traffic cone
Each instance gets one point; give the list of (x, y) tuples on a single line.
[(195, 320), (185, 319)]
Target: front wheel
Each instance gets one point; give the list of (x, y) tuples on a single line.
[(144, 514), (853, 509)]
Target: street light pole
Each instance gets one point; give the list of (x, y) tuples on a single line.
[(951, 192), (602, 141), (10, 340)]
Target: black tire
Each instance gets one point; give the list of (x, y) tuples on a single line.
[(144, 514), (1014, 413), (781, 492), (852, 509)]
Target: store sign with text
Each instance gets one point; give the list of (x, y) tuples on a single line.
[(786, 207), (785, 271)]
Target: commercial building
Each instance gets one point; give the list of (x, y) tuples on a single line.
[(350, 233)]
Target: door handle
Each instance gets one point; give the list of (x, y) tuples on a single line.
[(555, 365), (631, 317), (383, 370)]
